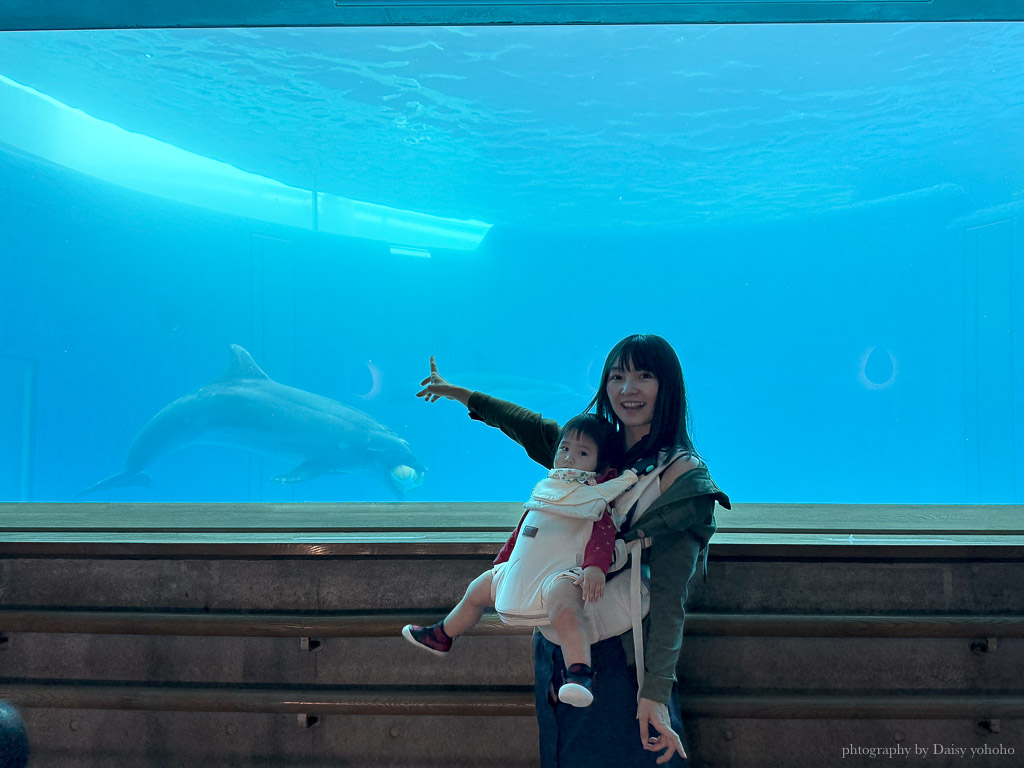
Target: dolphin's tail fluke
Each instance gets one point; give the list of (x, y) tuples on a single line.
[(119, 480)]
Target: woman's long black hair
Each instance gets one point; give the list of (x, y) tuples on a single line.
[(670, 423)]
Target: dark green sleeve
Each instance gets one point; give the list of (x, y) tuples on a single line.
[(673, 560), (528, 428)]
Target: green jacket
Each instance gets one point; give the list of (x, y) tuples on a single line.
[(680, 523)]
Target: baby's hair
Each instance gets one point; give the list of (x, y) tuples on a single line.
[(602, 432)]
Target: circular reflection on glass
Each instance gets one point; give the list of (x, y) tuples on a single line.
[(877, 368), (171, 318), (366, 379)]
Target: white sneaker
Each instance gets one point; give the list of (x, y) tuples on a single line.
[(575, 695)]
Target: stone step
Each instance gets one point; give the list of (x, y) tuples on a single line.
[(436, 583), (106, 738), (749, 664), (75, 738)]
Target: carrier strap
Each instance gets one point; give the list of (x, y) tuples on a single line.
[(633, 549), (635, 608)]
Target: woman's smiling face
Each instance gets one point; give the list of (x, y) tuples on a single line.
[(633, 393)]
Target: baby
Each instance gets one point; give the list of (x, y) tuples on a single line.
[(557, 558)]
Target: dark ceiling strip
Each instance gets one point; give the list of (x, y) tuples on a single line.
[(130, 14)]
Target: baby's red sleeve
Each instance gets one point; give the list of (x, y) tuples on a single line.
[(601, 548), (506, 549)]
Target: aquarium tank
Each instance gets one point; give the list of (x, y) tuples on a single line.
[(224, 253)]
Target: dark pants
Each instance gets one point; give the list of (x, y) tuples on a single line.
[(605, 734)]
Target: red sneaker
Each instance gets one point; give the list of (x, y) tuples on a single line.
[(432, 638)]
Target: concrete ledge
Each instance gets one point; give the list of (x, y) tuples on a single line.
[(821, 531), (437, 517)]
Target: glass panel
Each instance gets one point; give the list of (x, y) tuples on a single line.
[(820, 218), (16, 395)]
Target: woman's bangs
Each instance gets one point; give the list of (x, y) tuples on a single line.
[(639, 353)]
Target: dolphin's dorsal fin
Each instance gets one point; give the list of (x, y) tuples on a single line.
[(242, 366)]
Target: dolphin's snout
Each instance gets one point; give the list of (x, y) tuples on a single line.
[(405, 478)]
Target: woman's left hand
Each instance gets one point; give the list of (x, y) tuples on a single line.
[(650, 712)]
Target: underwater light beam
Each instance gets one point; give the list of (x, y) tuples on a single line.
[(42, 126)]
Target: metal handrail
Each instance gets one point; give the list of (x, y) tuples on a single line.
[(389, 624)]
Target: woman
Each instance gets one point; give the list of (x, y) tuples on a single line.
[(643, 395)]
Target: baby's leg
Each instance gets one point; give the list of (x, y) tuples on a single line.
[(469, 610), (565, 612)]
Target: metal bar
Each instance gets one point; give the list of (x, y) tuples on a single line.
[(491, 703), (845, 626), (235, 624), (176, 698), (102, 622)]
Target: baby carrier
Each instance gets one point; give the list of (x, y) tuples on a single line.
[(552, 540), (626, 601)]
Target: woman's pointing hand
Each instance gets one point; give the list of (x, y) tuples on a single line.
[(436, 386)]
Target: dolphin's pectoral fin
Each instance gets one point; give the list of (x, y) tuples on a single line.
[(117, 481), (307, 470)]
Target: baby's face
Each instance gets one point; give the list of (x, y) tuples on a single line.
[(576, 451)]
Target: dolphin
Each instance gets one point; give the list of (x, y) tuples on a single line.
[(246, 409)]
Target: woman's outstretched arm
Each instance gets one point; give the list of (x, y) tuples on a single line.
[(528, 428)]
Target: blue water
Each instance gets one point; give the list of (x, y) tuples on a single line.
[(824, 220)]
